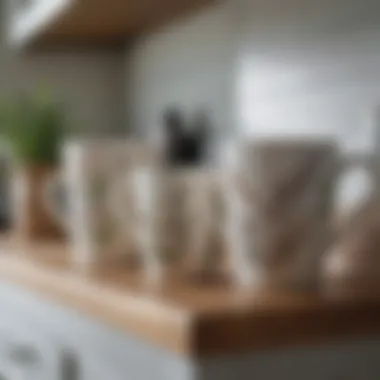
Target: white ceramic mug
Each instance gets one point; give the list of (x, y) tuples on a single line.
[(177, 216), (95, 224), (280, 197)]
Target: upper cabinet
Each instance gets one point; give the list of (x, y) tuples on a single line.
[(33, 23)]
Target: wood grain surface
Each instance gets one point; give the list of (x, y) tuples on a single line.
[(109, 22), (187, 316)]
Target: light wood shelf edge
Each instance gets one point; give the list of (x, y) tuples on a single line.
[(144, 317), (193, 321)]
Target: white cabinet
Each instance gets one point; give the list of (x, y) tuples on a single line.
[(62, 344), (24, 357), (82, 348), (40, 340), (27, 352)]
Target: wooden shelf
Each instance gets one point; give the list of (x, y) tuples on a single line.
[(192, 319), (106, 22)]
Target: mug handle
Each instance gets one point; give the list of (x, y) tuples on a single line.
[(51, 187), (137, 183), (143, 183), (202, 201), (366, 162)]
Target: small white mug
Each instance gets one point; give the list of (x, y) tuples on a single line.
[(177, 215)]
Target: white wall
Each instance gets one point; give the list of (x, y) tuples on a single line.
[(87, 81), (188, 62), (267, 67), (25, 20), (310, 67)]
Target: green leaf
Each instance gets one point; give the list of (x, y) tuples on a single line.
[(35, 127)]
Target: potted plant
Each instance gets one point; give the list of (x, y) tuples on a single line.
[(34, 127)]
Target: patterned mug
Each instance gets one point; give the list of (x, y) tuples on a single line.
[(280, 204), (82, 197), (178, 218)]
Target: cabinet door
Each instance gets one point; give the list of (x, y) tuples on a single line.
[(100, 351), (27, 354)]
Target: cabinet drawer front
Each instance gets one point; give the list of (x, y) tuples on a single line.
[(23, 356), (99, 348), (26, 349)]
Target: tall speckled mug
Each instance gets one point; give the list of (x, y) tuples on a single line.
[(280, 200)]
